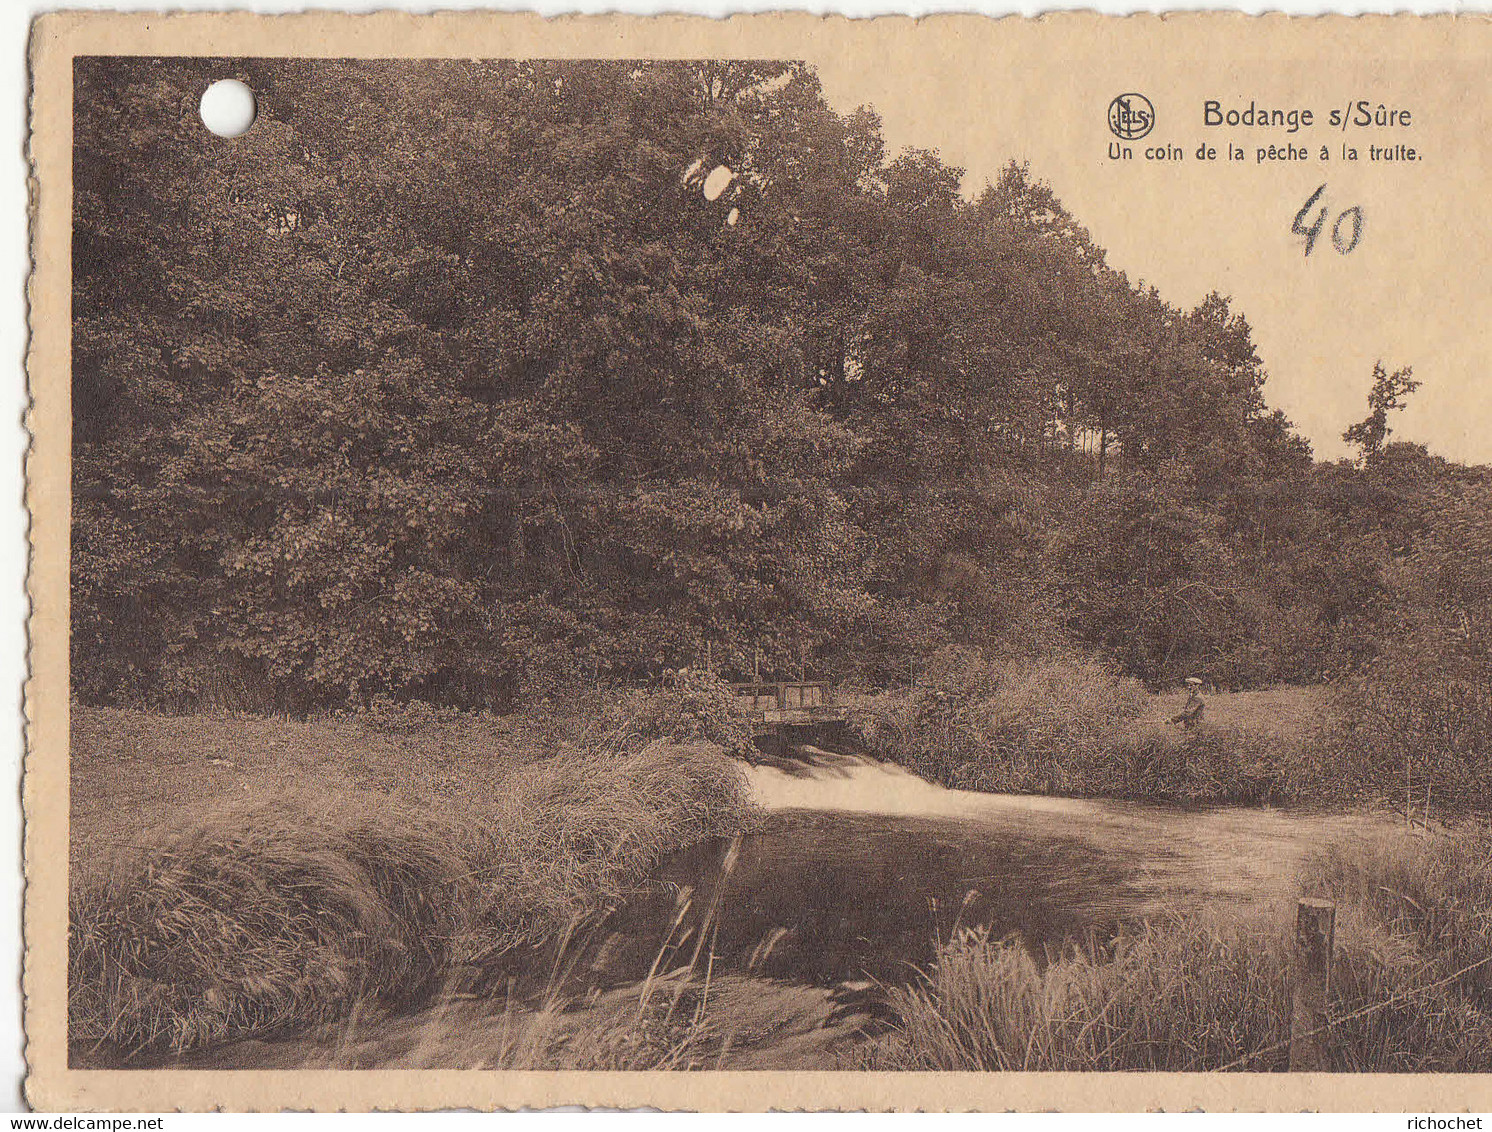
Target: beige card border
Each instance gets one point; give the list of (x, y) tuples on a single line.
[(56, 39)]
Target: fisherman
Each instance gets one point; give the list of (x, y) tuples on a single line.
[(1190, 715)]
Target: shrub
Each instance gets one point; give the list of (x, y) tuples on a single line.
[(963, 672), (1038, 705)]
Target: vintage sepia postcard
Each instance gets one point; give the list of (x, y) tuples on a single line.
[(761, 563)]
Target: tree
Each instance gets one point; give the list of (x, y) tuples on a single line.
[(347, 428), (344, 428), (1387, 395)]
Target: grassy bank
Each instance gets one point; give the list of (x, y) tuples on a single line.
[(1413, 917), (1069, 725), (242, 876)]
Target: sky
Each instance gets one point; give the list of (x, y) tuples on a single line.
[(1412, 292)]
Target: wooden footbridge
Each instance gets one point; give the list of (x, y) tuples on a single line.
[(769, 706)]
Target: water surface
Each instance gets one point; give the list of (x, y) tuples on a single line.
[(856, 873)]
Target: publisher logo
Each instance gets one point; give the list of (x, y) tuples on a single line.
[(1131, 116)]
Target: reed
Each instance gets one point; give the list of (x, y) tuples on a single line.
[(1069, 725)]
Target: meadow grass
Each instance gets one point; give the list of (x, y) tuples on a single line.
[(1407, 994), (1069, 726), (284, 888)]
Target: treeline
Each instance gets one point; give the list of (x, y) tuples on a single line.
[(465, 381)]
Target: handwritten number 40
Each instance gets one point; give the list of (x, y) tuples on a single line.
[(1344, 235)]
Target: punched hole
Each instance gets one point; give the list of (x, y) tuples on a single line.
[(227, 108)]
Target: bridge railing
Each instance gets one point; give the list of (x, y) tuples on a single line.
[(782, 695), (787, 701)]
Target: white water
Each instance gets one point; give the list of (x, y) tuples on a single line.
[(816, 779)]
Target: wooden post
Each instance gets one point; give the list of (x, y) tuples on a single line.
[(1408, 793), (1315, 939)]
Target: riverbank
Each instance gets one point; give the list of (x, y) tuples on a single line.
[(234, 877), (870, 919), (1194, 970), (1071, 727)]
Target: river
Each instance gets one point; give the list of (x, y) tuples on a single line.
[(855, 874)]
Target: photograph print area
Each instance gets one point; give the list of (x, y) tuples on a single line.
[(628, 564)]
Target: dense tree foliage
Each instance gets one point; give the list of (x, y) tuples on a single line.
[(460, 381)]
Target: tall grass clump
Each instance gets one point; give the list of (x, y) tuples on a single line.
[(1407, 993), (1210, 765), (286, 911), (1166, 998), (1435, 890), (561, 837), (1175, 997), (258, 919)]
